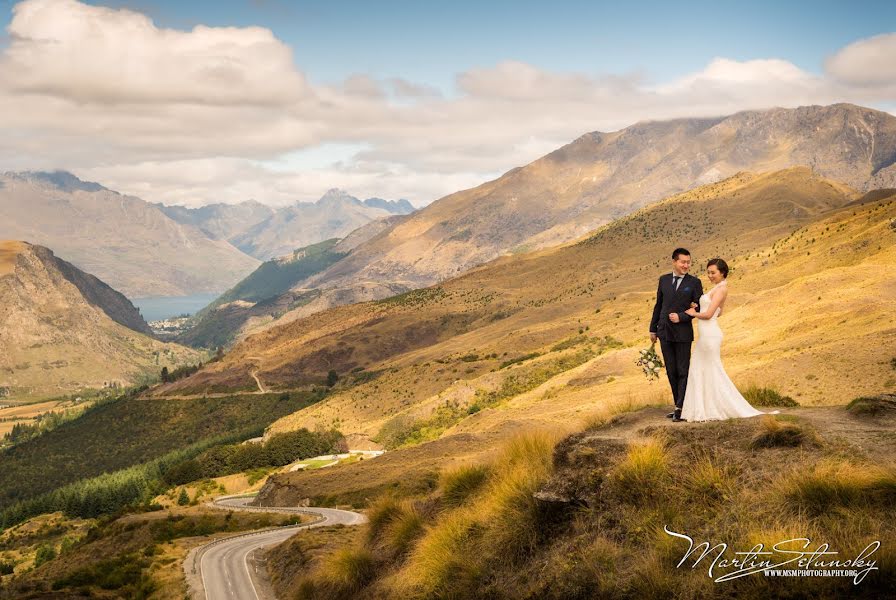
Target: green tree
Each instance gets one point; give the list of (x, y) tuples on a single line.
[(332, 378), (183, 499), (165, 375)]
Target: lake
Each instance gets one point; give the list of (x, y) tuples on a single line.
[(164, 307)]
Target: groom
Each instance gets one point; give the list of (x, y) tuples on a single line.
[(673, 327)]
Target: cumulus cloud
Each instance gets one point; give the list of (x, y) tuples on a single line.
[(871, 61), (95, 54), (201, 115)]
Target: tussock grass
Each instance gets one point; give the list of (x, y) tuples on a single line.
[(403, 530), (341, 575), (644, 475), (775, 433), (442, 565), (873, 406), (767, 396), (383, 512), (709, 481), (500, 524), (460, 484), (833, 485)]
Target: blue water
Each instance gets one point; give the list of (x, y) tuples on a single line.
[(165, 307)]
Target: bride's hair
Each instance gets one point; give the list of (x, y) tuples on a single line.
[(720, 264)]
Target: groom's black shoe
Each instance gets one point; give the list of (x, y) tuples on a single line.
[(670, 415), (676, 416)]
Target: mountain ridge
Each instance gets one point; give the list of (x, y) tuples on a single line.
[(599, 177)]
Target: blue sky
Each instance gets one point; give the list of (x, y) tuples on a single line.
[(430, 42), (279, 101)]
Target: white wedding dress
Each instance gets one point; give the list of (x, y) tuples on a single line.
[(710, 394)]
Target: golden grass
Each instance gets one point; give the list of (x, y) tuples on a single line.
[(834, 485), (708, 480), (644, 475), (502, 523), (340, 575), (779, 433), (460, 484)]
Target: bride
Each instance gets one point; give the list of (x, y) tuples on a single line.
[(710, 394)]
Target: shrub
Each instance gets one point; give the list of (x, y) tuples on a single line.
[(45, 553), (767, 396)]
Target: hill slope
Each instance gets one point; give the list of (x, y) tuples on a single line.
[(262, 296), (539, 337), (125, 241), (62, 329)]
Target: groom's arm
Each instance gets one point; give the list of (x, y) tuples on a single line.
[(654, 321), (696, 292)]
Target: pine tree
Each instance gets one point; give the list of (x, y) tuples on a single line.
[(183, 499), (165, 376)]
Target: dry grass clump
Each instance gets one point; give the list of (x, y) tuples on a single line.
[(460, 484), (873, 406), (644, 475), (499, 524), (341, 575), (778, 433), (833, 485)]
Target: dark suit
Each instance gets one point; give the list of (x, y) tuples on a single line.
[(676, 338)]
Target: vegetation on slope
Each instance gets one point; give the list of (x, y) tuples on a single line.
[(132, 430), (217, 325), (588, 517)]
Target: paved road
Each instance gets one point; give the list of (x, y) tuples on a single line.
[(226, 568)]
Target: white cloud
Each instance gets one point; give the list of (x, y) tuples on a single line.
[(871, 61), (95, 54), (206, 115)]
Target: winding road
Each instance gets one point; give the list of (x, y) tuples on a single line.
[(227, 569)]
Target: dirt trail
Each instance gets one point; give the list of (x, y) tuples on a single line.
[(874, 437)]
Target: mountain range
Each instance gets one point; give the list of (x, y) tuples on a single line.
[(123, 240), (145, 249), (593, 180), (265, 233)]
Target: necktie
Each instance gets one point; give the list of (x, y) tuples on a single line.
[(677, 279)]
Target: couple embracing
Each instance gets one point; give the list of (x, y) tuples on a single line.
[(700, 387)]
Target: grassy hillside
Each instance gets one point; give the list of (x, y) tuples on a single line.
[(588, 517), (262, 295), (129, 431), (541, 337)]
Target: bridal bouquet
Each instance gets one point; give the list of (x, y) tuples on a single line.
[(650, 362)]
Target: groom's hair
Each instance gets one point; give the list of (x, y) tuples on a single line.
[(678, 251)]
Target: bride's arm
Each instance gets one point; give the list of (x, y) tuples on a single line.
[(718, 297)]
